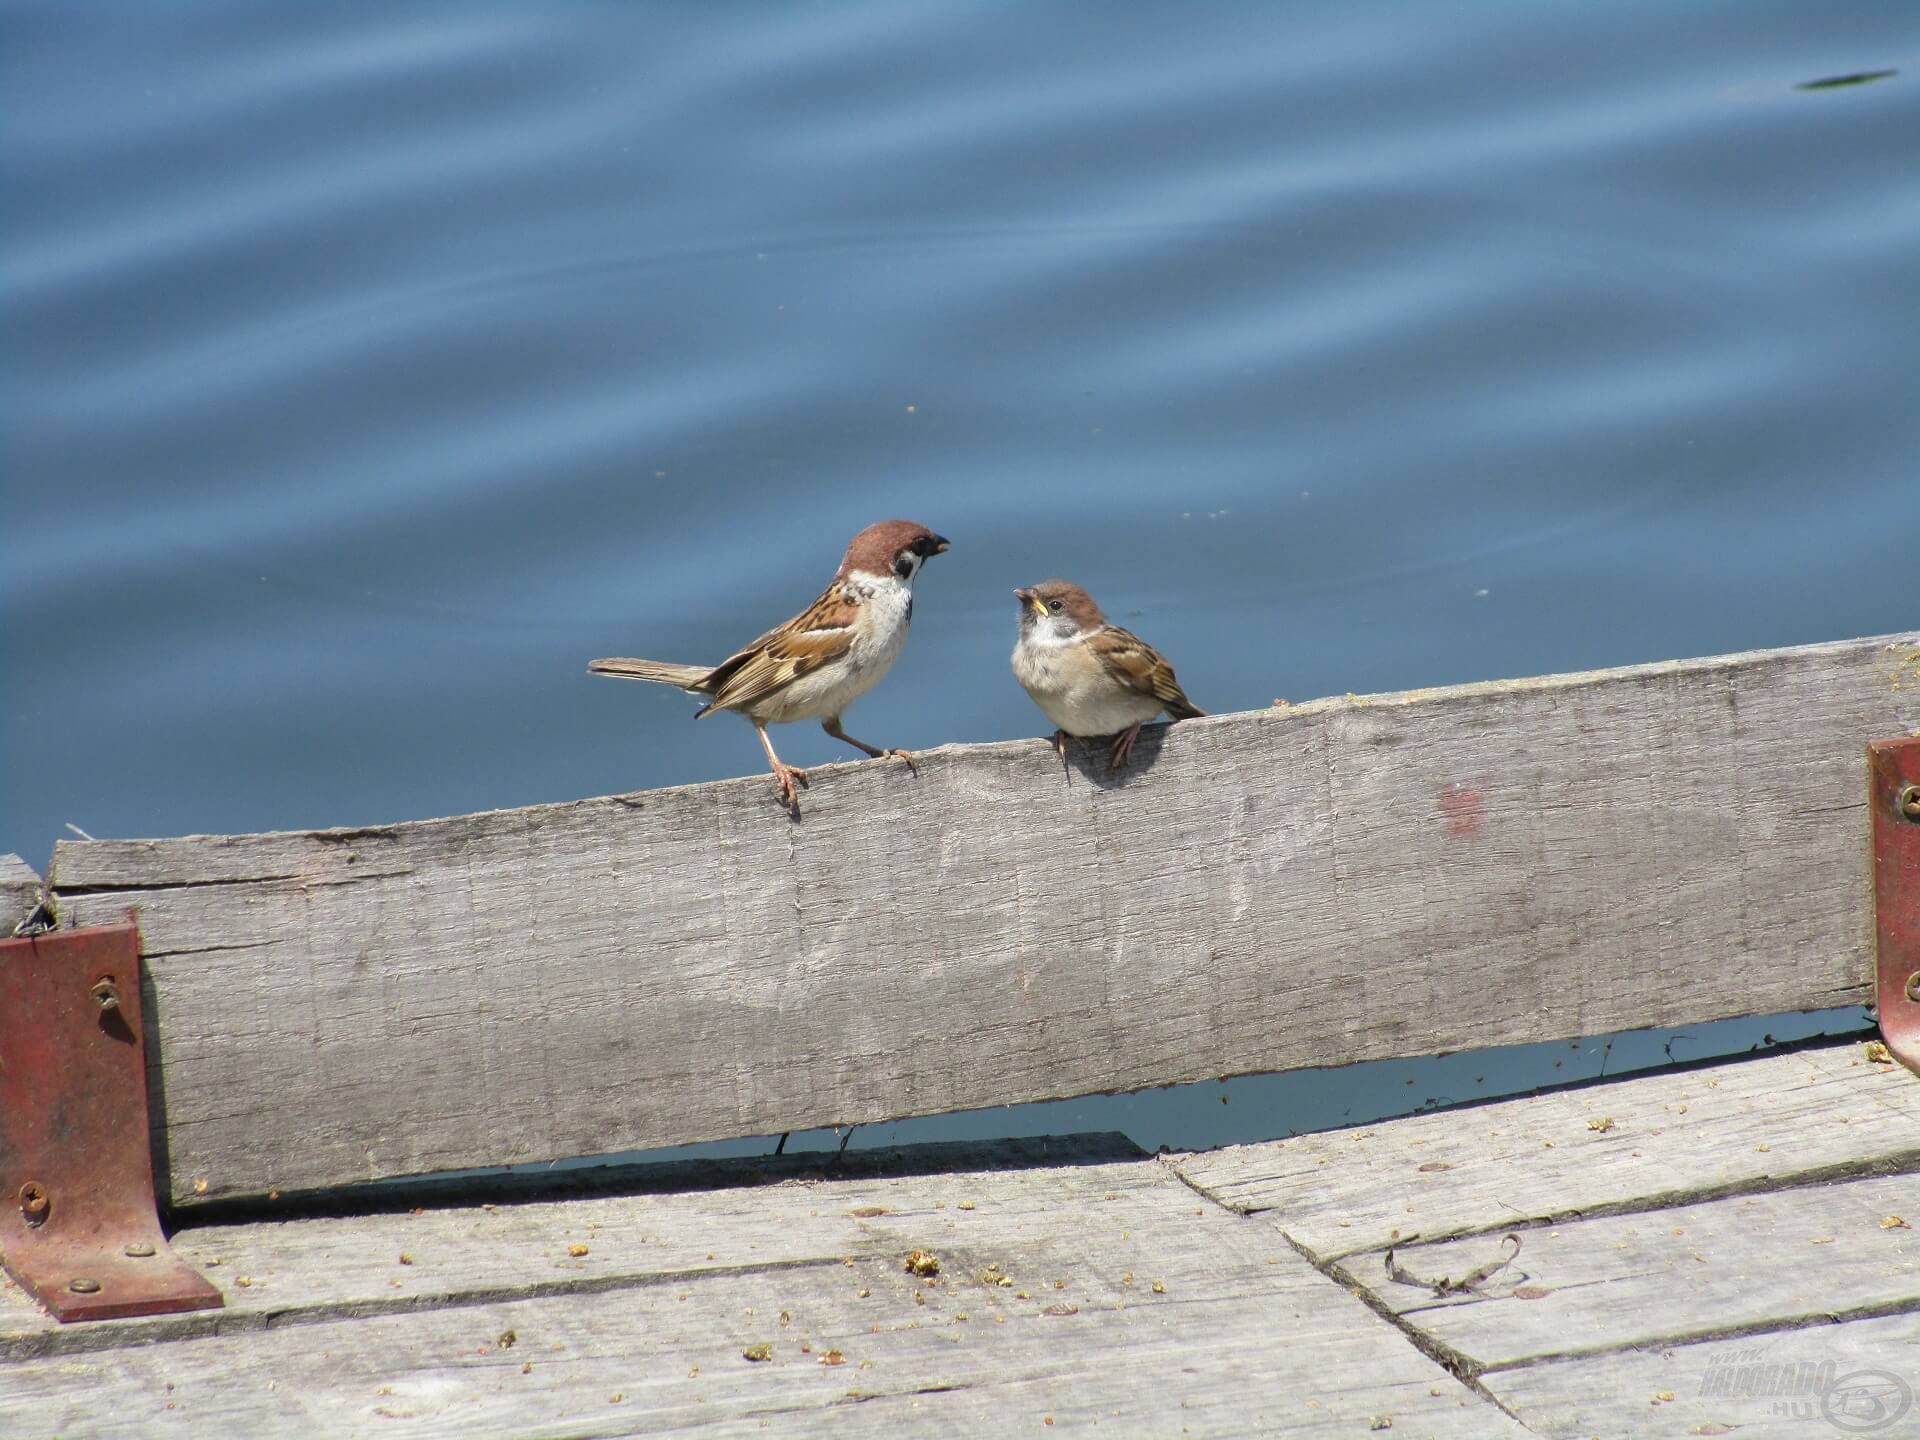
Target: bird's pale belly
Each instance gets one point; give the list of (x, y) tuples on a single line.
[(832, 688), (1076, 702)]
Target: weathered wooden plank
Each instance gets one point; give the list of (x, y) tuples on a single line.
[(19, 892), (1637, 1144), (788, 1213), (1771, 1261), (1785, 1385), (1342, 880), (1131, 1303)]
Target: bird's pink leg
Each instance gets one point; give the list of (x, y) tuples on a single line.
[(832, 727), (1123, 745), (783, 774)]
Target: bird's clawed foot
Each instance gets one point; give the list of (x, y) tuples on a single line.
[(1123, 746), (872, 752), (784, 777)]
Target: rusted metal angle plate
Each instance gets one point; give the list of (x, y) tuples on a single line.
[(1893, 796), (78, 1226)]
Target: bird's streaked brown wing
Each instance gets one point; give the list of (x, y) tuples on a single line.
[(1141, 668), (821, 633)]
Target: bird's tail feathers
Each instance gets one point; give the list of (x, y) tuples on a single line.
[(1181, 708), (661, 672)]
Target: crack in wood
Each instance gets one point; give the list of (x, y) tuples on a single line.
[(1902, 1162), (1771, 1325), (204, 1323)]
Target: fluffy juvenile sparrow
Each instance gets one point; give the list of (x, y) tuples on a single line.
[(819, 662), (1089, 677)]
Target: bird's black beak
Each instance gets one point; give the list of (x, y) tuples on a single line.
[(939, 544)]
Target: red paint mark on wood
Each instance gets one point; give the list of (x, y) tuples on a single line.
[(1465, 810)]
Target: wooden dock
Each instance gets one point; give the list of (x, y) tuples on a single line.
[(1718, 1249)]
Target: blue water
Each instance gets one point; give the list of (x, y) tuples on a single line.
[(366, 369)]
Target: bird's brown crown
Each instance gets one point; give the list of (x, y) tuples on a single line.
[(875, 548), (1073, 601)]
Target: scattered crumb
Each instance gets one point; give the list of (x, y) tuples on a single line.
[(762, 1351), (577, 1251), (405, 1258), (1894, 1222), (508, 1339), (1600, 1124), (1159, 1287), (920, 1262), (833, 1357), (964, 1205), (1878, 1053), (199, 1187), (1821, 1240)]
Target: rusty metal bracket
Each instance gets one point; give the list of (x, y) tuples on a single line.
[(78, 1225), (1893, 797)]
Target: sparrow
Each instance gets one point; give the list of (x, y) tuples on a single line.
[(822, 660), (1089, 677)]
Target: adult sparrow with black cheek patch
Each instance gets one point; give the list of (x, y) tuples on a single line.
[(822, 660), (1089, 677)]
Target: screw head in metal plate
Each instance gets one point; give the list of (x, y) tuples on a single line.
[(1913, 987), (139, 1250), (83, 1286), (34, 1203), (1908, 802)]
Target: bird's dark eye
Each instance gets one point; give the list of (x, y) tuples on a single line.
[(923, 547), (1054, 606)]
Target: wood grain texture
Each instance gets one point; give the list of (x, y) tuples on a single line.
[(19, 889), (1133, 1307), (1342, 880), (1636, 1144), (1752, 1387), (1771, 1261)]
